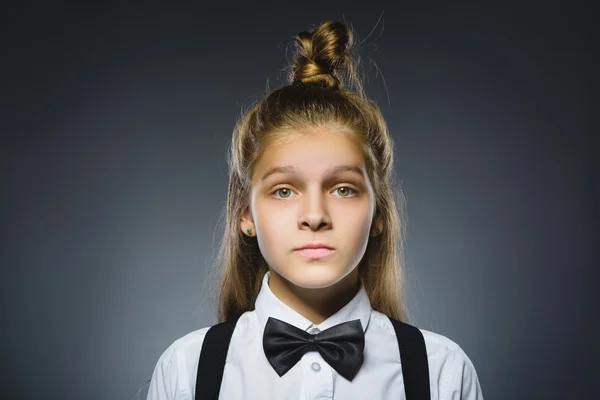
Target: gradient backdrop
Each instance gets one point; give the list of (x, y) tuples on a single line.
[(115, 122)]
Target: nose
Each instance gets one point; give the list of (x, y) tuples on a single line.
[(313, 213)]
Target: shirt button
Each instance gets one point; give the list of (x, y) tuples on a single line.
[(316, 366), (314, 331)]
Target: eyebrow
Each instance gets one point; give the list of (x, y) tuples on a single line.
[(336, 169)]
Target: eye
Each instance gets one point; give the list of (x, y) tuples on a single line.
[(284, 193), (344, 191)]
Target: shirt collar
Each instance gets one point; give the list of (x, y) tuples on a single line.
[(268, 305)]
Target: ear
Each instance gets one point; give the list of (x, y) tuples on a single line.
[(247, 223), (377, 225)]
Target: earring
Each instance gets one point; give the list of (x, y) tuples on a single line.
[(249, 231), (377, 231)]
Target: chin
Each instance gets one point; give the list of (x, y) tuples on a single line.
[(315, 277)]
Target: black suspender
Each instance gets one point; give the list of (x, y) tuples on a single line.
[(413, 357), (212, 360)]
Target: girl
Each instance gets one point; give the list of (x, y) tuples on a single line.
[(310, 305)]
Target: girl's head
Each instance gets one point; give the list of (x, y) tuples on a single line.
[(312, 162)]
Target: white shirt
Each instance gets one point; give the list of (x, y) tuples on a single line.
[(248, 374)]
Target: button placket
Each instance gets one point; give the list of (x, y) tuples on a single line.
[(318, 377), (315, 366), (319, 383)]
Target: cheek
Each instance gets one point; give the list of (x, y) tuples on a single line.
[(270, 219), (353, 233), (353, 222), (273, 227)]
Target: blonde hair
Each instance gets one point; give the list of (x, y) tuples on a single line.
[(324, 88)]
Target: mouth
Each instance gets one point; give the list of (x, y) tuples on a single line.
[(315, 253)]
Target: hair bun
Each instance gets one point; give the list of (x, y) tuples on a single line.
[(322, 56)]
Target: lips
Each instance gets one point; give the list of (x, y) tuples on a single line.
[(315, 245), (315, 253)]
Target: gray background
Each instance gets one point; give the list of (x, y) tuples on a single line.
[(115, 121)]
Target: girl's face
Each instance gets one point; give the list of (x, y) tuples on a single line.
[(311, 188)]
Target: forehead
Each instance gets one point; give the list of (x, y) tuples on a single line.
[(310, 151)]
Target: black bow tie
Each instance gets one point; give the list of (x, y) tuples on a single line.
[(341, 346)]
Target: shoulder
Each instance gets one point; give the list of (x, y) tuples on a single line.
[(175, 371), (449, 366), (456, 372), (172, 373), (437, 345), (191, 343)]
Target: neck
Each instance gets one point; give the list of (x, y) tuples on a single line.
[(316, 305)]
